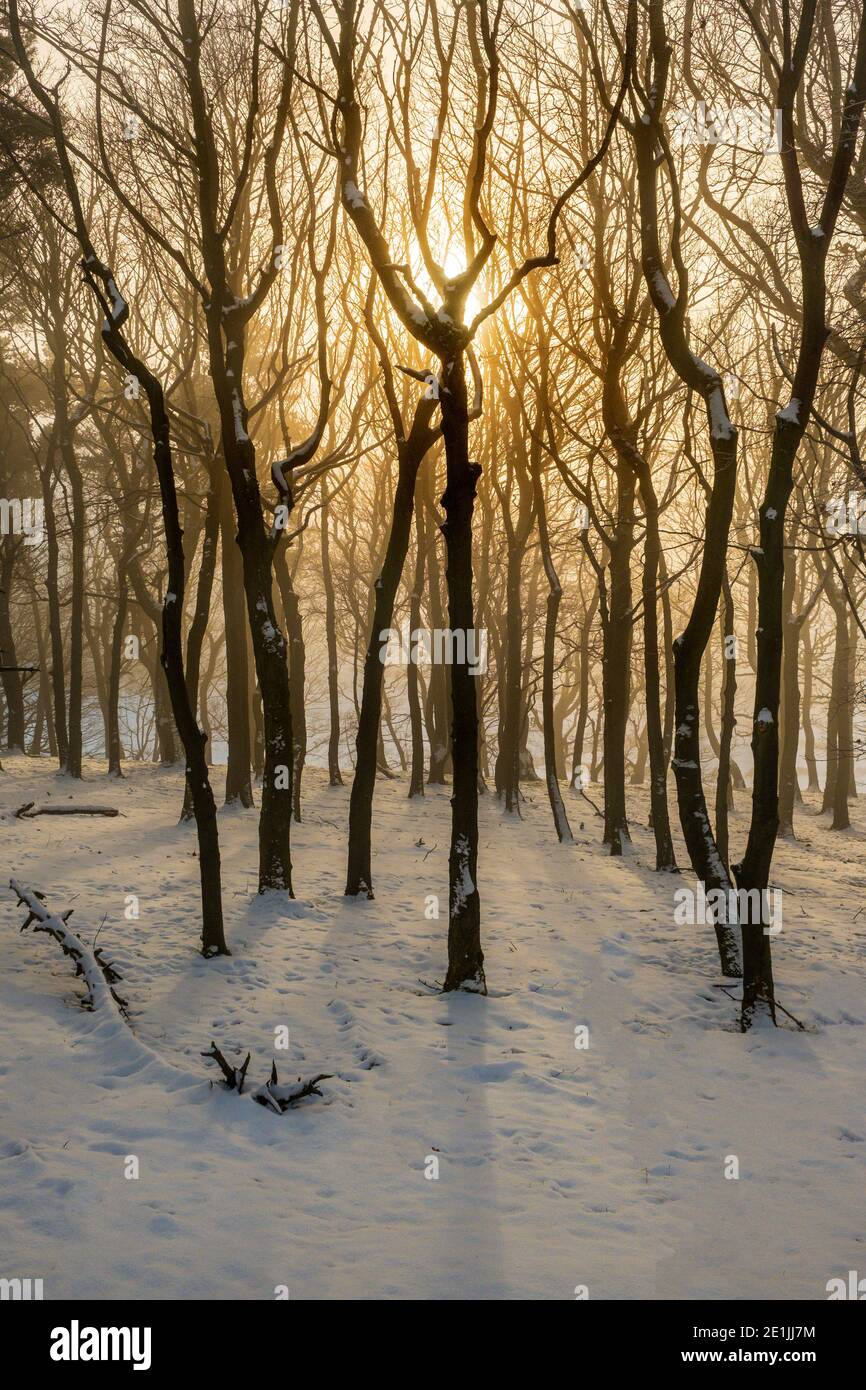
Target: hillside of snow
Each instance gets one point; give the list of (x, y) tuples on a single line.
[(559, 1167)]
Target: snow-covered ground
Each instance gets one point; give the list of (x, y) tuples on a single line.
[(602, 1167)]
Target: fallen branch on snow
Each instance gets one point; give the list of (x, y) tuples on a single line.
[(29, 810), (98, 974), (279, 1098), (234, 1075), (598, 812), (272, 1095)]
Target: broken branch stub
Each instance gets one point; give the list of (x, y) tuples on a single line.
[(279, 1098)]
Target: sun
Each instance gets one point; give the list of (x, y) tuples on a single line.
[(453, 266)]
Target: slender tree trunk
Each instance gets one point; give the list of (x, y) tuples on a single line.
[(416, 779), (754, 870), (659, 753), (13, 681), (616, 662), (334, 775), (837, 781), (465, 957), (76, 620), (44, 681), (507, 766), (729, 693), (238, 788), (201, 613), (808, 730), (213, 937), (55, 622), (853, 632), (594, 767), (166, 749), (583, 692), (752, 649), (226, 316), (690, 646), (99, 647), (113, 749), (790, 705), (554, 599), (297, 671), (410, 454), (436, 708), (38, 727), (638, 772)]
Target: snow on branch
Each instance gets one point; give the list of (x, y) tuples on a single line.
[(98, 974), (30, 809), (279, 1098), (272, 1095)]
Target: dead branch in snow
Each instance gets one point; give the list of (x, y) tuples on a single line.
[(98, 974), (234, 1075), (272, 1095), (279, 1098), (30, 809)]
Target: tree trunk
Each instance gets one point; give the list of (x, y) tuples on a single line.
[(506, 771), (841, 699), (238, 788), (416, 778), (808, 730), (616, 662), (335, 778), (226, 317), (554, 599), (659, 752), (729, 693), (113, 749), (55, 623), (44, 681), (13, 681), (297, 670), (410, 454), (790, 704), (76, 618), (201, 614), (465, 957), (436, 706), (583, 692)]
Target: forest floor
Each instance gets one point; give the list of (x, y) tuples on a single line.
[(558, 1167)]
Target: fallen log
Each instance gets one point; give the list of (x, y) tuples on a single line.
[(98, 974), (30, 809)]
